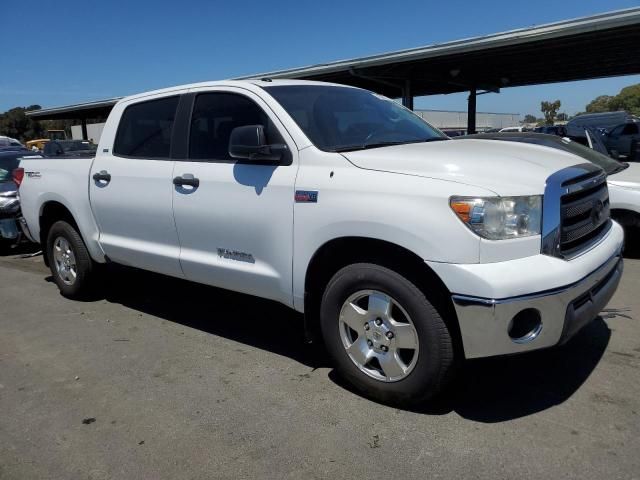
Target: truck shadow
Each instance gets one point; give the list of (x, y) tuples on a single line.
[(250, 320), (632, 243), (500, 389), (489, 390)]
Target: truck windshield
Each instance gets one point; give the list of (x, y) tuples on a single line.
[(340, 119)]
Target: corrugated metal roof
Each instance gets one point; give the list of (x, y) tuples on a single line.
[(604, 21), (86, 109)]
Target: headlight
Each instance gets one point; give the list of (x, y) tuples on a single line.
[(499, 218)]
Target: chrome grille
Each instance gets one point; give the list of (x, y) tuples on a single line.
[(576, 211), (584, 213)]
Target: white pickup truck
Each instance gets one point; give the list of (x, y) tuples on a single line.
[(405, 250)]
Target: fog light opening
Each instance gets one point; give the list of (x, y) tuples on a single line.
[(525, 326)]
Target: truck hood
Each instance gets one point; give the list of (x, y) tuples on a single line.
[(628, 178), (506, 168)]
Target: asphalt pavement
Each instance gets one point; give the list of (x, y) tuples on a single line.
[(165, 379)]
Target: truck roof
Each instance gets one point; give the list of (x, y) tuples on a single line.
[(260, 82)]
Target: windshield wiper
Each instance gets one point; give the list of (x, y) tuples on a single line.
[(367, 146)]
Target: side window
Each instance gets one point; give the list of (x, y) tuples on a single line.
[(630, 129), (145, 129), (215, 115)]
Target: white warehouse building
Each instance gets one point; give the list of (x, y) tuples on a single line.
[(448, 120), (442, 119)]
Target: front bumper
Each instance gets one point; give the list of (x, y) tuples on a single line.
[(484, 323), (566, 295)]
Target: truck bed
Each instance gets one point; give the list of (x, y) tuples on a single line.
[(44, 178)]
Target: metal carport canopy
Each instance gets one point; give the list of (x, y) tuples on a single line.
[(604, 45), (97, 109), (81, 111)]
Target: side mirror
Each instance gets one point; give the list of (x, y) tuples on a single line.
[(249, 143)]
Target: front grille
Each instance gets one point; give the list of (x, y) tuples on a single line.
[(584, 213), (575, 210)]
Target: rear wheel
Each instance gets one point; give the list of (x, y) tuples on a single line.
[(384, 335), (71, 265)]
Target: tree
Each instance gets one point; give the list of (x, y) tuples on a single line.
[(600, 104), (14, 123), (550, 110), (528, 118), (628, 99)]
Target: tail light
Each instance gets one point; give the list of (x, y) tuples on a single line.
[(18, 176)]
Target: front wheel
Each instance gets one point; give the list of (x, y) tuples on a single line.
[(71, 265), (384, 336)]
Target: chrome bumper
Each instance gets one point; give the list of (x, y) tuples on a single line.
[(484, 322)]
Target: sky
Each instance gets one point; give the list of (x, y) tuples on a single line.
[(62, 52)]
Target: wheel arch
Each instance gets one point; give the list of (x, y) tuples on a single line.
[(626, 217), (340, 252), (51, 212)]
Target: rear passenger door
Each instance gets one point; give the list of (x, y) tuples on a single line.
[(131, 188), (236, 225)]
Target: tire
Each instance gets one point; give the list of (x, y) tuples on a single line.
[(397, 376), (75, 278)]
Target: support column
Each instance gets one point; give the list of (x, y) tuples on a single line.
[(407, 95), (85, 135), (471, 112)]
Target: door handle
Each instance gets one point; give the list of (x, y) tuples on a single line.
[(187, 179), (102, 176)]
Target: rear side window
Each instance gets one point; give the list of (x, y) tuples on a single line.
[(215, 115), (145, 129)]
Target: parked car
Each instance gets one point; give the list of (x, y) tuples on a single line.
[(404, 249), (69, 148), (623, 178), (604, 121), (560, 130), (621, 139), (10, 178), (8, 142), (515, 129), (454, 133), (619, 130)]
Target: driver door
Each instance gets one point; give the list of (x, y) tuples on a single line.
[(235, 218)]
